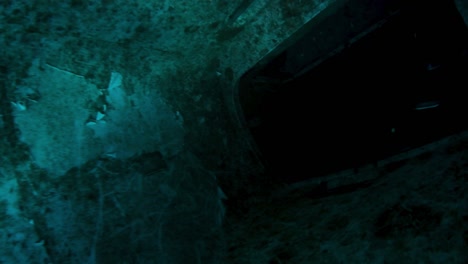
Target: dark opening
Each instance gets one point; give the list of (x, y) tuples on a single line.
[(400, 86)]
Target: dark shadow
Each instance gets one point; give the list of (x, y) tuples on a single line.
[(398, 87)]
